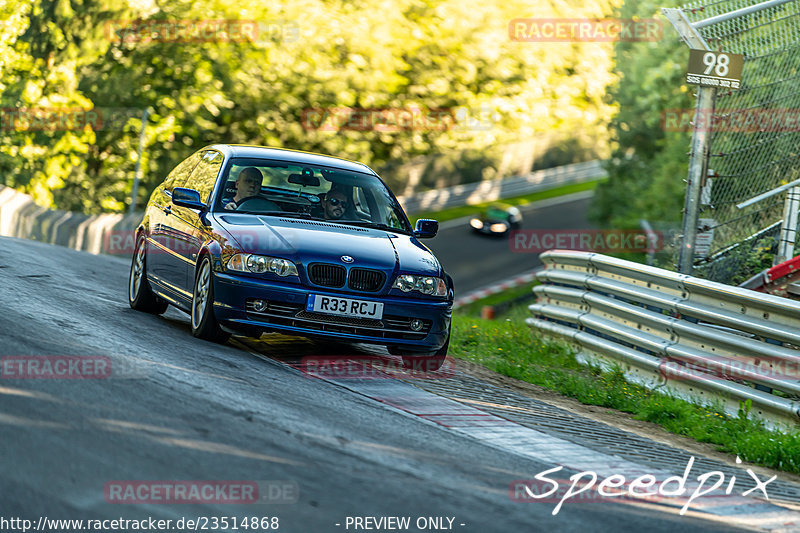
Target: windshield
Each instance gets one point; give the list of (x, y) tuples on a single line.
[(269, 187)]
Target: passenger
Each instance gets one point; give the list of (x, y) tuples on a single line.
[(334, 204)]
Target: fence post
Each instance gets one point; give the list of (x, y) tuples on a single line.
[(701, 145), (789, 226)]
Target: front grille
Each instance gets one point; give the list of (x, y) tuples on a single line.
[(336, 319), (327, 275), (362, 279), (286, 314)]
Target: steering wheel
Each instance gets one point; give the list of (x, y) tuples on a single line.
[(257, 203)]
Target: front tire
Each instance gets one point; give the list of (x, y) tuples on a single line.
[(423, 363), (140, 295), (204, 323)]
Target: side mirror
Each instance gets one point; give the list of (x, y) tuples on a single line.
[(425, 229), (183, 197)]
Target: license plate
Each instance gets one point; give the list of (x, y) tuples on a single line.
[(344, 306)]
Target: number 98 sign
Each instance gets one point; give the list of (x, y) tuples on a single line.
[(718, 63), (714, 69)]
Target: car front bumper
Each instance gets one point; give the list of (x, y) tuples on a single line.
[(486, 229), (286, 313)]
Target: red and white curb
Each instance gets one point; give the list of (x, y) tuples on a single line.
[(473, 296)]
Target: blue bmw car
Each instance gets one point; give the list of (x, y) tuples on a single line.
[(248, 239)]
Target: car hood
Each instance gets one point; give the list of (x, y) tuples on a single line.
[(309, 241)]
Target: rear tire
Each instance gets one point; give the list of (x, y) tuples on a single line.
[(204, 323), (140, 295)]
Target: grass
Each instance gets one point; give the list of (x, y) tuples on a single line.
[(511, 348), (467, 210), (474, 308)]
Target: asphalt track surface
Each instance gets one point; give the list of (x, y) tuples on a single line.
[(475, 261), (186, 409)]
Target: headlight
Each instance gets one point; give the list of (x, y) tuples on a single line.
[(498, 227), (424, 284), (259, 264), (476, 223)]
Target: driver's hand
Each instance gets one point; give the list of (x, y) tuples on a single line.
[(230, 206)]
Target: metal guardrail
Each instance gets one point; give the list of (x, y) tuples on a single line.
[(107, 233), (482, 191), (695, 338)]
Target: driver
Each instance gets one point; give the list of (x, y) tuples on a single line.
[(248, 184), (334, 204)]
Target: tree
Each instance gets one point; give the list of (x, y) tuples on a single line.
[(648, 165), (261, 87)]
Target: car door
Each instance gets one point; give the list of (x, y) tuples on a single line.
[(185, 224), (161, 245)]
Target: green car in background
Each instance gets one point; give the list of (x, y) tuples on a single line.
[(497, 219)]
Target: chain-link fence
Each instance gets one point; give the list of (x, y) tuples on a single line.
[(755, 130)]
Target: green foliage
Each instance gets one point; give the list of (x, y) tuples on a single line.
[(744, 408), (756, 260), (743, 262), (648, 165), (309, 54), (47, 49)]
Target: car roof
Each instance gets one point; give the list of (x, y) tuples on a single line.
[(285, 154), (498, 206)]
